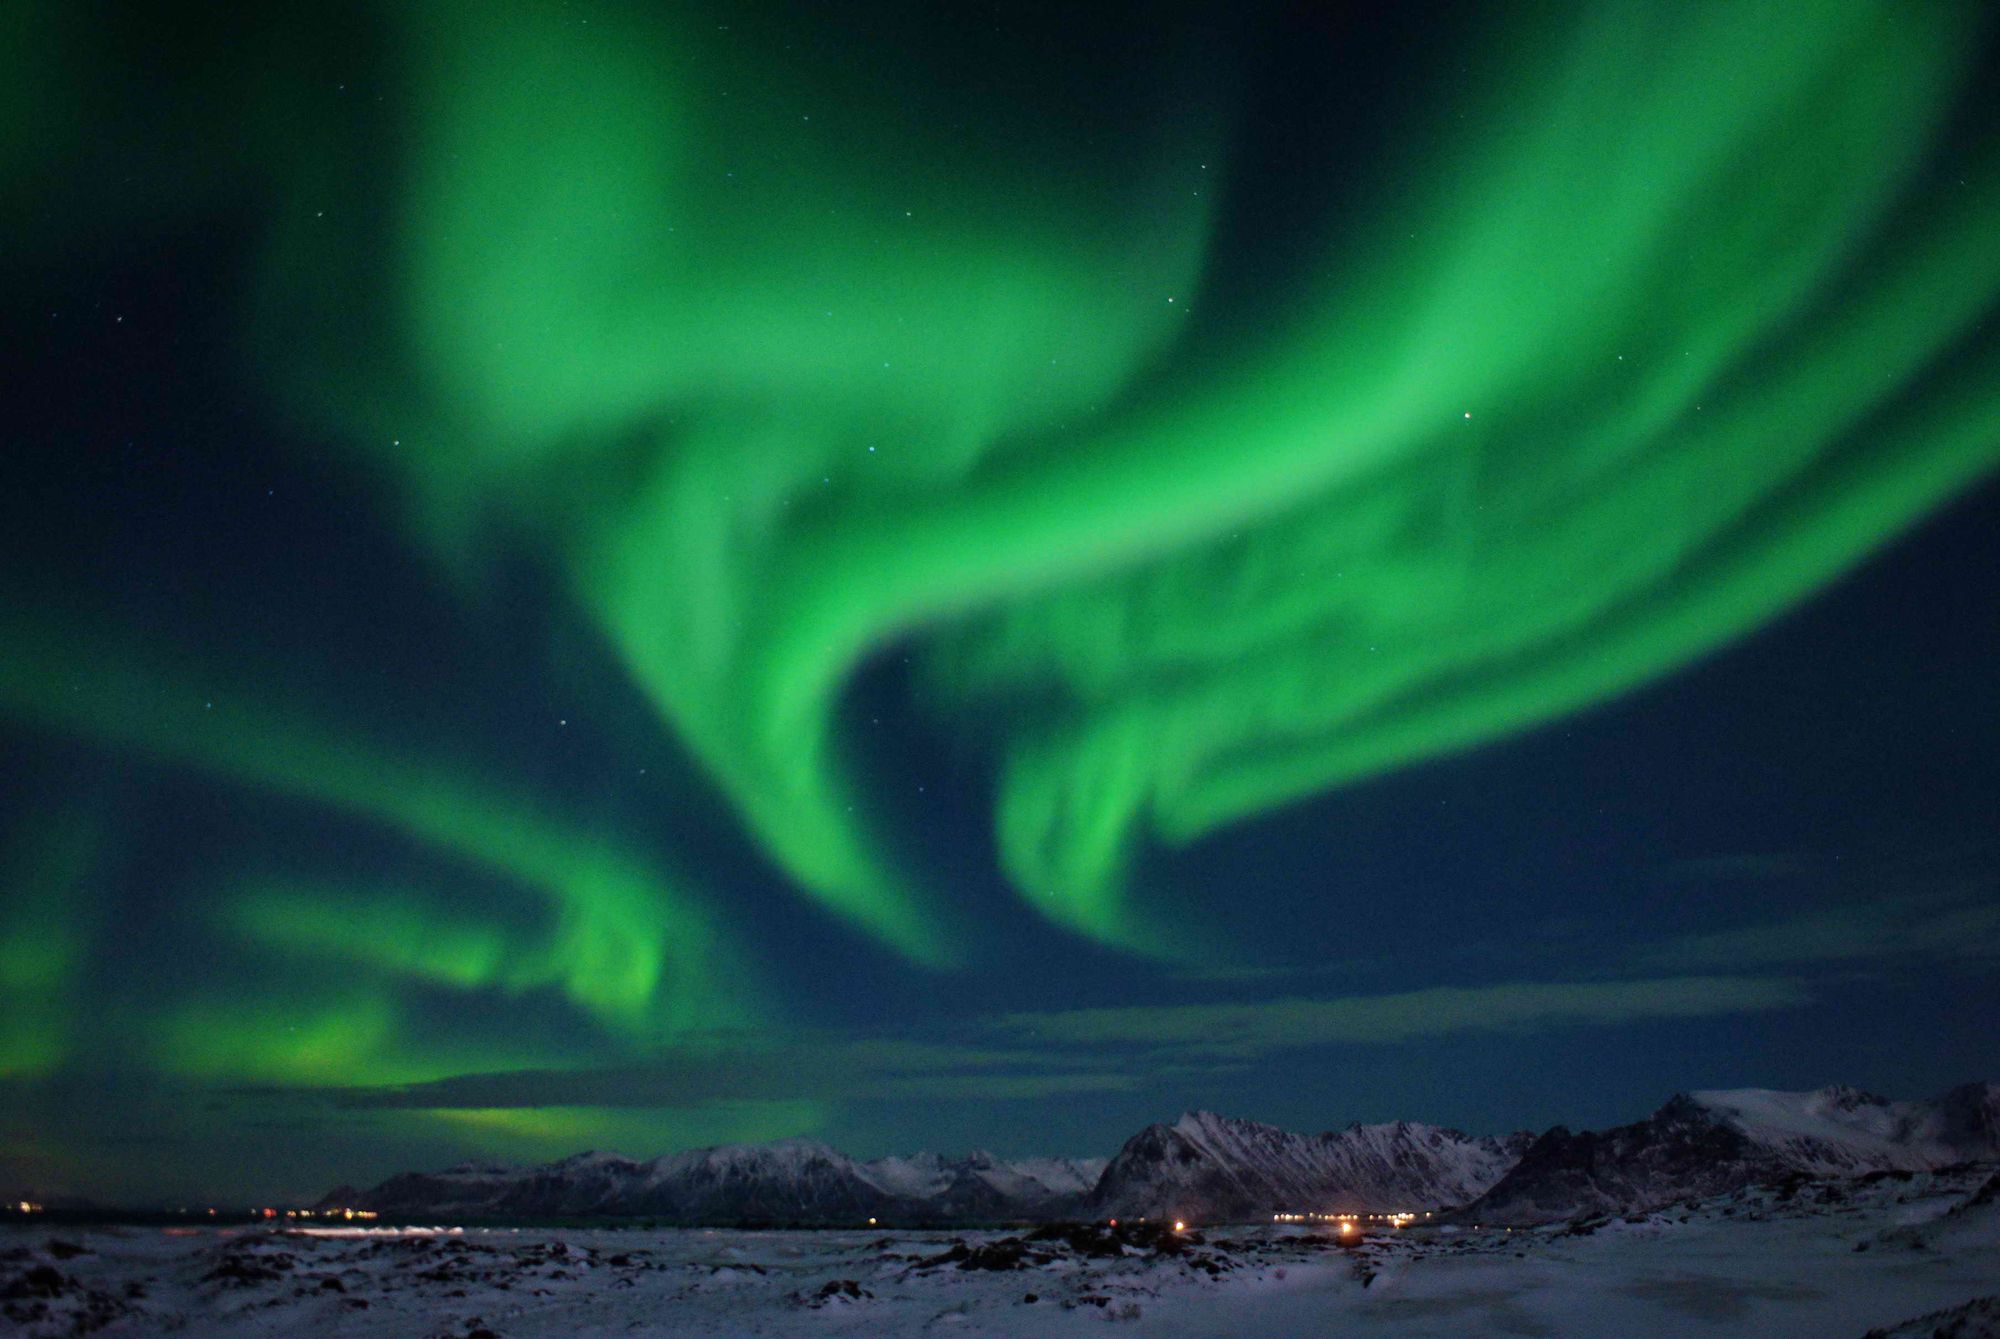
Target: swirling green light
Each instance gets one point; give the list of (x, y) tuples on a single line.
[(622, 943), (745, 343), (1631, 347), (46, 918)]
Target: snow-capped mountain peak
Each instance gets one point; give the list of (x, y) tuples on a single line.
[(1710, 1142), (1212, 1167), (786, 1180)]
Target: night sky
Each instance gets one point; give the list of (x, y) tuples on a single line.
[(595, 575)]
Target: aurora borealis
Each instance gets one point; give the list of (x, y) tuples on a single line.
[(598, 573)]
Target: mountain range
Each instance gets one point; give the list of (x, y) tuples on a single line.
[(1210, 1168), (1706, 1143), (789, 1180), (1217, 1169)]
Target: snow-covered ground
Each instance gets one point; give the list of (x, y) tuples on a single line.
[(1819, 1259)]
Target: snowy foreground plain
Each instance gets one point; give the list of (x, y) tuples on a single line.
[(1818, 1259)]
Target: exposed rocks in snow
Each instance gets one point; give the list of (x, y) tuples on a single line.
[(1977, 1319), (1770, 1259)]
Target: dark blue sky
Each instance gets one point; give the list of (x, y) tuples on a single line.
[(619, 762)]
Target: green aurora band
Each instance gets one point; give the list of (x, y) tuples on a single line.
[(1606, 376), (1650, 325), (621, 943)]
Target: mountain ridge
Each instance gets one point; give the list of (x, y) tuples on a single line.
[(1212, 1168), (1711, 1141)]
